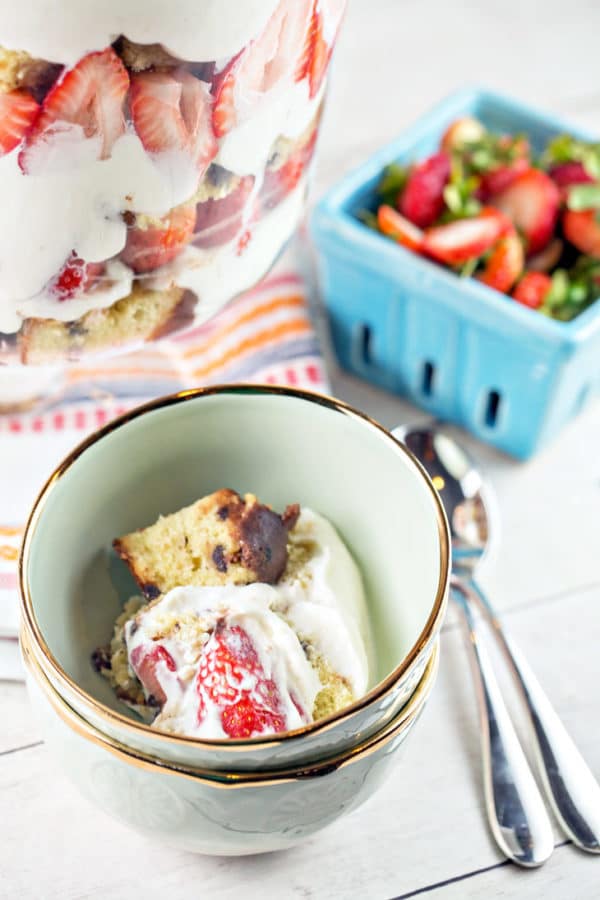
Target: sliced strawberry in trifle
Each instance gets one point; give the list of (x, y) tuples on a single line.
[(85, 110), (220, 219), (172, 111), (75, 277), (272, 58), (152, 243), (18, 110)]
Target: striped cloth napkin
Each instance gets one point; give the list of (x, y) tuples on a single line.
[(265, 335)]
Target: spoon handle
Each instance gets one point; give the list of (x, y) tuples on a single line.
[(572, 790), (516, 812)]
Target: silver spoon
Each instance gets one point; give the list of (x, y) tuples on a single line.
[(572, 790)]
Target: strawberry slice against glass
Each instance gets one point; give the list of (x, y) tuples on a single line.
[(240, 87), (532, 203), (465, 239), (160, 241), (18, 110), (396, 226), (173, 111), (85, 105), (219, 220), (325, 21), (75, 277), (278, 183)]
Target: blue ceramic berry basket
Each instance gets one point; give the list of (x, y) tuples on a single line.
[(460, 350)]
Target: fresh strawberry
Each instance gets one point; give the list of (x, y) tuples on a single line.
[(568, 173), (219, 220), (230, 674), (532, 289), (278, 183), (75, 277), (531, 202), (461, 132), (423, 198), (244, 719), (505, 263), (273, 55), (500, 178), (17, 113), (173, 111), (396, 226), (324, 24), (149, 247), (464, 239), (548, 258), (582, 229), (148, 665), (86, 102)]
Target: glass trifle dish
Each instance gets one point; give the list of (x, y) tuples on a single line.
[(153, 162)]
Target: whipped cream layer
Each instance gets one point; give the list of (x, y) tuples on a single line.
[(180, 645), (200, 30)]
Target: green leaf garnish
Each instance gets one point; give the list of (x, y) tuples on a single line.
[(392, 183), (584, 196), (368, 218), (565, 148)]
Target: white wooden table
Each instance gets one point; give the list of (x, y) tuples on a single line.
[(425, 832)]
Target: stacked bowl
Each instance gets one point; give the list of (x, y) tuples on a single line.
[(231, 796)]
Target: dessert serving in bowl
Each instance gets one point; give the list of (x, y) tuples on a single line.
[(206, 812), (261, 639), (153, 162)]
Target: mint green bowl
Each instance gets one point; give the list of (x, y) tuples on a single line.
[(285, 446)]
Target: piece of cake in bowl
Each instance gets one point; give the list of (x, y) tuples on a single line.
[(252, 622)]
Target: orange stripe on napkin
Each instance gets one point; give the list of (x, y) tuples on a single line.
[(9, 553), (294, 301), (285, 329), (11, 530)]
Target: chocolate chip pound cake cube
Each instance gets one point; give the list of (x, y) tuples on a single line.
[(221, 539)]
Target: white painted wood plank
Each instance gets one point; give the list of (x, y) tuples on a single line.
[(18, 727), (426, 825), (568, 875)]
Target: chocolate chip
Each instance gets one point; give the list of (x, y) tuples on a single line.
[(223, 512), (101, 659), (263, 537), (218, 557), (151, 591)]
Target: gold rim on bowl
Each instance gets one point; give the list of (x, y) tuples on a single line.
[(213, 777), (376, 693)]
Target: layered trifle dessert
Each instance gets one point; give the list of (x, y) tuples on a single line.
[(248, 622), (153, 161)]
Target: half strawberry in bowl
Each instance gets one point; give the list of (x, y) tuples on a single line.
[(461, 266)]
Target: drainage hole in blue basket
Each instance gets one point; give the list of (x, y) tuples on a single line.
[(492, 409), (366, 344), (427, 378)]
